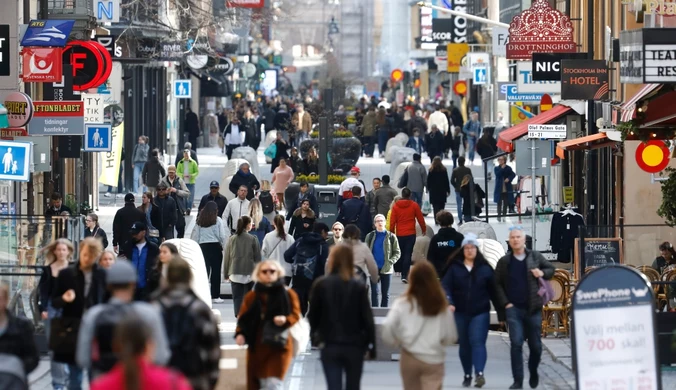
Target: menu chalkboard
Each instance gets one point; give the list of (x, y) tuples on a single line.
[(599, 252)]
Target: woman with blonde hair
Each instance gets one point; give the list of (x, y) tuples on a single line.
[(261, 223), (58, 256), (269, 201), (275, 245), (269, 309), (341, 321), (420, 323), (107, 259)]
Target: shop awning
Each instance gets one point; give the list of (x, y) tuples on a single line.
[(629, 106), (506, 137), (593, 141), (661, 112)]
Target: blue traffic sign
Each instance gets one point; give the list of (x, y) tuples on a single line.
[(16, 160), (481, 76), (513, 95), (97, 138), (182, 89)]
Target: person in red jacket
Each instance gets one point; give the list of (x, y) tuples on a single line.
[(402, 222), (135, 370)]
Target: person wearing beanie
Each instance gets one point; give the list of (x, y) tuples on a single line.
[(337, 228), (470, 287), (123, 221)]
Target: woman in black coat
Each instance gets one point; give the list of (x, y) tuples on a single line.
[(302, 220), (94, 230), (153, 217), (438, 185), (282, 151), (479, 196)]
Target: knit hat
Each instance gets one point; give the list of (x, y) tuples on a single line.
[(472, 239), (121, 272)]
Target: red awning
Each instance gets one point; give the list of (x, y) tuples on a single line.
[(660, 112), (593, 141), (629, 106), (507, 136)]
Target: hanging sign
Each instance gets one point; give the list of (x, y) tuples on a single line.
[(659, 55), (547, 66), (652, 156), (584, 80), (19, 109), (57, 118), (540, 29), (4, 50), (41, 65), (455, 52), (526, 84), (397, 75), (91, 64), (631, 57), (47, 33), (16, 160), (500, 40)]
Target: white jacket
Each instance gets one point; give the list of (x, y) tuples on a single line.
[(274, 248), (234, 210), (438, 118), (425, 338)]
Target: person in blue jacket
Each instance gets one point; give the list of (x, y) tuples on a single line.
[(416, 142), (470, 287), (503, 194)]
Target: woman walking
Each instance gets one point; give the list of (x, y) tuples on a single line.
[(94, 230), (275, 245), (58, 256), (209, 233), (107, 259), (133, 343), (438, 185), (302, 220), (242, 253), (341, 321), (385, 248), (311, 162), (281, 153), (469, 209), (153, 172), (363, 258), (470, 288), (267, 311), (281, 178), (421, 325), (269, 201), (261, 224), (153, 217), (503, 194)]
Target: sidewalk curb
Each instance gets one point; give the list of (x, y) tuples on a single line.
[(564, 361)]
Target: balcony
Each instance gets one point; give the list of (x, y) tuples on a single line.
[(81, 11), (148, 19)]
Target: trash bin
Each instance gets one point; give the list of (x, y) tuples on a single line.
[(327, 202)]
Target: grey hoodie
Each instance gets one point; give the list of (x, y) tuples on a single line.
[(417, 177)]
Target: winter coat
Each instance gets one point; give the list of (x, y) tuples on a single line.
[(182, 193), (502, 174), (435, 144), (363, 258), (18, 340), (301, 225), (168, 210), (152, 278), (417, 177), (471, 292), (179, 157), (281, 178), (98, 233), (533, 260), (193, 170), (438, 186), (124, 219), (391, 249), (282, 121), (383, 199), (355, 211), (296, 203), (320, 249), (310, 166), (153, 172), (443, 244), (457, 175), (155, 218), (404, 215), (306, 126), (295, 163), (274, 248), (242, 254), (466, 201), (220, 200), (487, 146), (244, 179), (261, 230), (368, 124), (417, 144), (151, 376), (140, 153)]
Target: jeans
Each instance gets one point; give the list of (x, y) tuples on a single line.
[(471, 146), (191, 199), (370, 144), (239, 290), (385, 280), (339, 359), (406, 244), (383, 136), (59, 371), (522, 326), (301, 136), (458, 203), (213, 256), (138, 169), (417, 197), (472, 336), (75, 375)]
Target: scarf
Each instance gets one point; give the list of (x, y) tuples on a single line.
[(251, 322)]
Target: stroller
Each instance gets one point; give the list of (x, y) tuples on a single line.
[(480, 228), (12, 375)]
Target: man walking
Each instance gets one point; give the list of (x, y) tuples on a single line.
[(244, 177), (456, 179), (235, 209), (516, 278), (354, 211), (302, 121), (234, 136), (143, 256), (139, 157), (188, 170), (178, 190), (384, 196), (192, 126), (168, 209), (124, 219), (472, 130), (300, 254), (371, 197), (417, 178), (193, 154), (213, 196)]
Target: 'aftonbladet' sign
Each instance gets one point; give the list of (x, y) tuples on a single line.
[(540, 29)]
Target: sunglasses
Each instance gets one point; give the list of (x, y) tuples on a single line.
[(515, 227), (268, 271)]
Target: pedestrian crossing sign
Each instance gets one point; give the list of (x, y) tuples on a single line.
[(98, 138), (481, 75), (182, 89)]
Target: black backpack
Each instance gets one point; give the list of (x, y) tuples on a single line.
[(182, 336), (266, 202), (103, 357), (305, 261)]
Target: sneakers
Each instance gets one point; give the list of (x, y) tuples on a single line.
[(217, 300), (534, 380), (480, 380), (467, 381), (404, 281), (107, 194), (516, 385)]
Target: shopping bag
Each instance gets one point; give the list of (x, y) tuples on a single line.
[(271, 151), (426, 207), (300, 334)]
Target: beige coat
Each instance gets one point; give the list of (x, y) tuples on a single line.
[(363, 258), (307, 122)]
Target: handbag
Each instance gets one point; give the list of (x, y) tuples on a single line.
[(63, 335), (275, 336), (426, 207), (403, 180), (221, 142), (300, 335), (271, 151)]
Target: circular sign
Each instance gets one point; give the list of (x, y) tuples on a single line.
[(19, 109), (114, 115), (249, 71), (197, 61), (652, 156), (91, 64), (416, 83), (460, 87), (397, 75)]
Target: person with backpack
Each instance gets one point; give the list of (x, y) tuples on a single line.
[(209, 232), (354, 211), (269, 201), (302, 220), (341, 321), (276, 243), (385, 249), (268, 312), (470, 287), (307, 257), (191, 328), (242, 253), (281, 178), (94, 344)]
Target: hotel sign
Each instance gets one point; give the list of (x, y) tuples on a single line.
[(540, 29)]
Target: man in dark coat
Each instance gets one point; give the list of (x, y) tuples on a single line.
[(143, 256), (268, 118), (168, 209), (354, 211), (214, 196), (57, 207), (283, 122), (192, 126), (244, 177), (124, 218), (17, 337)]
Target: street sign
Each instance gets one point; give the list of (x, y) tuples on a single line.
[(547, 131), (500, 41), (513, 95), (107, 10), (527, 151), (182, 89), (97, 138), (526, 84), (16, 160), (481, 76), (94, 105), (57, 118)]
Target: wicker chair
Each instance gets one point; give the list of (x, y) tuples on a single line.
[(555, 313), (670, 290)]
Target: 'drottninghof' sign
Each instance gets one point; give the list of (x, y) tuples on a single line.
[(540, 29)]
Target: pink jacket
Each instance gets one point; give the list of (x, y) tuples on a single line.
[(152, 377), (281, 179)]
